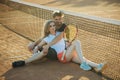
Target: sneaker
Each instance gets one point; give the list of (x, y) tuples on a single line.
[(85, 66), (18, 64), (101, 67)]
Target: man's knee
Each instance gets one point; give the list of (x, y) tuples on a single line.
[(77, 42)]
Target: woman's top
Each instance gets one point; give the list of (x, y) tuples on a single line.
[(59, 46)]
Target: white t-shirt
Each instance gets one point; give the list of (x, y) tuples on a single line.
[(59, 46)]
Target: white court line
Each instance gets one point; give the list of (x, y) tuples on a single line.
[(103, 11), (2, 18), (23, 22), (14, 57)]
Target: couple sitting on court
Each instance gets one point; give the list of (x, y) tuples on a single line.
[(54, 46)]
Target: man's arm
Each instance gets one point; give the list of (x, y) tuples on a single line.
[(56, 39), (37, 41)]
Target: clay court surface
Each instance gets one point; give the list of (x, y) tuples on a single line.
[(101, 8), (14, 47)]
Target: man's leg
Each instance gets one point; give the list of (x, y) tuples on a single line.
[(75, 46)]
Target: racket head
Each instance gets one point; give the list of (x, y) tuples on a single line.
[(71, 32)]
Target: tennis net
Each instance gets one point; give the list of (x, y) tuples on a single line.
[(100, 37)]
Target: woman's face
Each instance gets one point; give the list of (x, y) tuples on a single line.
[(52, 27)]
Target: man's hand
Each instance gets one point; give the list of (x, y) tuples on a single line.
[(68, 44)]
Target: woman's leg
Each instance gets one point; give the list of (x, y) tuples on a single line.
[(35, 56)]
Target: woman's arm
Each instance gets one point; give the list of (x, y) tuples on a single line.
[(33, 44), (56, 39), (40, 45)]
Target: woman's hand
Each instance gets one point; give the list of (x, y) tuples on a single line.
[(45, 49), (31, 46), (35, 50)]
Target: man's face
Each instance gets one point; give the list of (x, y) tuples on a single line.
[(58, 20)]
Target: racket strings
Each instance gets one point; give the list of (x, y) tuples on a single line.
[(71, 34)]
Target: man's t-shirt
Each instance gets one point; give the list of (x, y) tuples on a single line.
[(62, 28)]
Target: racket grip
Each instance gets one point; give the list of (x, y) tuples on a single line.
[(63, 55)]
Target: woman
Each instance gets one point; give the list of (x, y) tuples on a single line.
[(60, 26), (73, 53)]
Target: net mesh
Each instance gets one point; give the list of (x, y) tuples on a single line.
[(100, 40)]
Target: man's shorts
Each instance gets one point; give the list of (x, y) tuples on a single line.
[(60, 56)]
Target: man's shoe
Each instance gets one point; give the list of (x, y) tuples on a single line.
[(85, 66), (18, 64)]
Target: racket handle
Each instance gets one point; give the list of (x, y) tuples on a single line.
[(63, 55)]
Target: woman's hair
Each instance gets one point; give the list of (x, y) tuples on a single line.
[(46, 28), (58, 13)]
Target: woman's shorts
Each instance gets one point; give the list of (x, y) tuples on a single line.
[(52, 54)]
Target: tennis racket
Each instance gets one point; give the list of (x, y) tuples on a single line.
[(71, 33)]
